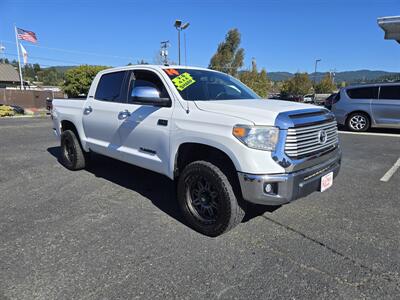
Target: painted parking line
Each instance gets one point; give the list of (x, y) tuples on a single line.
[(370, 133), (391, 171)]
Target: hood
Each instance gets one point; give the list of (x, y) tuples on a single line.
[(257, 111)]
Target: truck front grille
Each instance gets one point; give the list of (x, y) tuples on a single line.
[(309, 140)]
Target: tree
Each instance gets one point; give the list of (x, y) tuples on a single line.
[(325, 86), (257, 81), (229, 57), (78, 80), (299, 85), (36, 68), (51, 76)]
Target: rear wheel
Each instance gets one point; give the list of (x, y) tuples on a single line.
[(358, 122), (72, 155), (207, 199)]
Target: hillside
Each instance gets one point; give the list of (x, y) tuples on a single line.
[(348, 76)]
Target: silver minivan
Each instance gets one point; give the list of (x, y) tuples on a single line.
[(364, 106)]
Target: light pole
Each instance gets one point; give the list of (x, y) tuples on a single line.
[(179, 27), (315, 69)]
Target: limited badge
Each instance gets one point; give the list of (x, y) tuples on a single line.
[(183, 81)]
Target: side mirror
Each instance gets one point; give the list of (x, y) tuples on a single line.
[(147, 95)]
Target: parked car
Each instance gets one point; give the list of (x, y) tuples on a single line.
[(292, 98), (308, 98), (49, 104), (221, 143), (18, 109), (365, 106)]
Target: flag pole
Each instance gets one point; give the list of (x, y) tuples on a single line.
[(19, 60)]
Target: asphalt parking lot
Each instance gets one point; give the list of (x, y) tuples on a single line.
[(114, 231)]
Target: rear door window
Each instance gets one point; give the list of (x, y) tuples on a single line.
[(110, 87), (363, 93), (390, 92)]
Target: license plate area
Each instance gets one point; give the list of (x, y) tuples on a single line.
[(326, 181)]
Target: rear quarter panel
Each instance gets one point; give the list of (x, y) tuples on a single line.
[(69, 110), (345, 106)]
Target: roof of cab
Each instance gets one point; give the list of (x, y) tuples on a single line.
[(154, 67)]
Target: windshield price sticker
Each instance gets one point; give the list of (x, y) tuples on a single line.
[(183, 81)]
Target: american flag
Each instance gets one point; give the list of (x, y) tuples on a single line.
[(26, 35)]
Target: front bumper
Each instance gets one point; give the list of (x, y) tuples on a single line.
[(288, 186)]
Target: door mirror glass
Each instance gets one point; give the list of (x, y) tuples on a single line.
[(145, 92), (147, 95)]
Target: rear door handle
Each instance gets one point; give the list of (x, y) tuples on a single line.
[(124, 114), (87, 110)]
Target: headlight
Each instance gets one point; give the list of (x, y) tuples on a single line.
[(257, 137)]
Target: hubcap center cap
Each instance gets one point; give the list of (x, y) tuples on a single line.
[(205, 199)]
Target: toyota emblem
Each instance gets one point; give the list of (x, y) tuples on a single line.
[(322, 137)]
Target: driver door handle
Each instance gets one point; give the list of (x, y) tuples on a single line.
[(87, 110), (124, 114)]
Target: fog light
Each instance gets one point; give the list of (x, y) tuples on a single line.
[(268, 188), (271, 188)]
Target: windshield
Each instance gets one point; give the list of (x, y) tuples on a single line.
[(208, 85)]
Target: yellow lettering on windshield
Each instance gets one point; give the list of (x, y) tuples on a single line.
[(183, 81)]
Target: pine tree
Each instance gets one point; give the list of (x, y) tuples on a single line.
[(229, 56)]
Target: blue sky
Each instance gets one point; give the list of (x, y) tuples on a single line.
[(286, 35)]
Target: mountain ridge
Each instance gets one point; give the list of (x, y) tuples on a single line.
[(363, 75)]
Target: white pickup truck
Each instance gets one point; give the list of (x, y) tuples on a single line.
[(221, 143)]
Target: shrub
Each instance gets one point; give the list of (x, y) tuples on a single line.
[(6, 111)]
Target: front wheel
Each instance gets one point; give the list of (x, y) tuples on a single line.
[(207, 199), (73, 157), (358, 122)]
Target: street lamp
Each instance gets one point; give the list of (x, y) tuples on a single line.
[(315, 69), (179, 27)]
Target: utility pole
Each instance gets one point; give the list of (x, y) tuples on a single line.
[(333, 74), (164, 51), (2, 50), (253, 64)]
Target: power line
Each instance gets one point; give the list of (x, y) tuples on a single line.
[(48, 59), (131, 58)]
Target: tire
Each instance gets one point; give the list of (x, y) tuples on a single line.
[(203, 186), (72, 155), (358, 122)]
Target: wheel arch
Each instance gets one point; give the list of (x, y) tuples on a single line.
[(359, 111), (69, 125), (188, 152)]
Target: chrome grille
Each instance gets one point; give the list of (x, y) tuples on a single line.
[(309, 140)]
